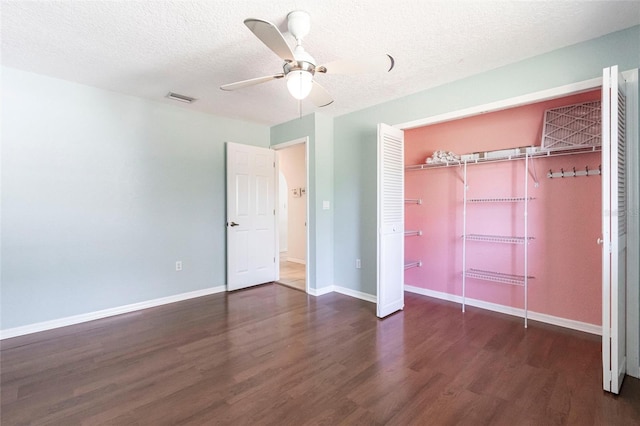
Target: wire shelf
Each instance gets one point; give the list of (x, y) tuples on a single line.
[(531, 152), (412, 233), (497, 277), (497, 239), (426, 166), (500, 200)]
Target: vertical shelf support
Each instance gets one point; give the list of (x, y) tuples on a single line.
[(464, 235), (526, 237), (496, 276)]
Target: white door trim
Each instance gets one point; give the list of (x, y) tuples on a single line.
[(633, 230), (543, 95), (277, 147)]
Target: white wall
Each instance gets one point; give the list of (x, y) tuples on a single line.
[(292, 166), (102, 193)]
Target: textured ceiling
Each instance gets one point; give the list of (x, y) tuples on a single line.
[(149, 48)]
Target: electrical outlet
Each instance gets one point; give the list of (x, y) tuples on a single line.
[(179, 265), (358, 264)]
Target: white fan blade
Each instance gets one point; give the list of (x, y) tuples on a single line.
[(319, 95), (376, 63), (271, 36), (250, 82)]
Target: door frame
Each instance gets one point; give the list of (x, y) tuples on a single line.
[(278, 147), (633, 269)]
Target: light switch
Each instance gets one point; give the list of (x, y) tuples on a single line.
[(325, 205)]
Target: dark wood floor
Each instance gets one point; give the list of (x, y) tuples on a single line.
[(273, 355)]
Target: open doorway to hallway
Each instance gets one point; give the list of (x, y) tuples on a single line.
[(292, 211)]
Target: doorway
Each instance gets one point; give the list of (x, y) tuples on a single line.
[(292, 214)]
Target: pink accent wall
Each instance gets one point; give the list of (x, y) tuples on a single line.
[(564, 218)]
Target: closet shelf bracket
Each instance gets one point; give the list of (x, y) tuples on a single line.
[(412, 264), (413, 201)]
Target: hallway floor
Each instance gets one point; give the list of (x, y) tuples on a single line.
[(292, 274)]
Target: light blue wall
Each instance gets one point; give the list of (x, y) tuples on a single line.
[(355, 134), (324, 188), (102, 193), (319, 129)]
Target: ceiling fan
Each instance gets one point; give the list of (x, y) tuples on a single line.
[(299, 67)]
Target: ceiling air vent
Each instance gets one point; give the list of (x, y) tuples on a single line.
[(181, 98)]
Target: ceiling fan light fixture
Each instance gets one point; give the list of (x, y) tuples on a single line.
[(299, 83)]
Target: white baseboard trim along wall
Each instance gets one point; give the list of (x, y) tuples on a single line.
[(90, 316), (549, 319), (321, 291), (357, 294), (343, 290)]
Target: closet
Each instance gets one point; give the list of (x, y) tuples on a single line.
[(503, 224)]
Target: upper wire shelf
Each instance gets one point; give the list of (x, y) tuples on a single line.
[(538, 153)]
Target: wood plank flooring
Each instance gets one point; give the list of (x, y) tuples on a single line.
[(271, 355)]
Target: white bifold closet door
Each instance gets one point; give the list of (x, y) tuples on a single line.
[(390, 240), (614, 230)]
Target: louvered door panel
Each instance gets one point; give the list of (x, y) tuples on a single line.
[(390, 274)]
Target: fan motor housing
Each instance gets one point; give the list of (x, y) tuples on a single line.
[(299, 66)]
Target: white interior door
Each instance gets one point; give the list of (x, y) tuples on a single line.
[(251, 220), (614, 230), (390, 250)]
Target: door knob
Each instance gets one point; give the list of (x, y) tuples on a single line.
[(234, 224), (600, 241)]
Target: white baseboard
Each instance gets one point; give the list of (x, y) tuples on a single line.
[(343, 290), (536, 316), (321, 291), (296, 260), (354, 293), (90, 316)]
